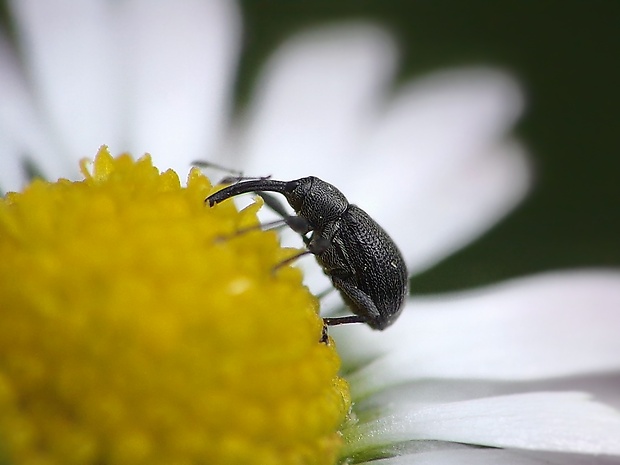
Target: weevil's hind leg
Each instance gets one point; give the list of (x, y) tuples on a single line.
[(343, 320), (335, 321)]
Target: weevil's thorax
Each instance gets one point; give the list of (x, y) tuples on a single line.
[(315, 200)]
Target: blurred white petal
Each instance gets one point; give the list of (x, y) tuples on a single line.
[(178, 76), (143, 76), (476, 456), (458, 208), (603, 388), (70, 50), (441, 144), (445, 166), (314, 102), (565, 422), (22, 133), (442, 120), (14, 118), (546, 326)]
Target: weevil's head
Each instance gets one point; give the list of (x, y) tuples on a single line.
[(315, 200)]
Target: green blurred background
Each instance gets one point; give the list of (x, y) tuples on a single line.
[(567, 56)]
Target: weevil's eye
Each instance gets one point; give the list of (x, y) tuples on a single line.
[(296, 192), (291, 186)]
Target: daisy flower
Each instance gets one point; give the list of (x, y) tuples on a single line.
[(522, 372)]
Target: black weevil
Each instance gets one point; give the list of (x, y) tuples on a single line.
[(360, 258)]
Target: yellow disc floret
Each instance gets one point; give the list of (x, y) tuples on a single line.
[(137, 327)]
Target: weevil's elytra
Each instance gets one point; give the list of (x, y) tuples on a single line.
[(360, 258)]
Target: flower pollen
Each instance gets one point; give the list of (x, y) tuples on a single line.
[(136, 327)]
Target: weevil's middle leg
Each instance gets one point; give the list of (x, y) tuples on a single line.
[(290, 260)]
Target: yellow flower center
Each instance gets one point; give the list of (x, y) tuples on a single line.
[(137, 328)]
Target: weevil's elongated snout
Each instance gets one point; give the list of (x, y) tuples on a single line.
[(244, 187)]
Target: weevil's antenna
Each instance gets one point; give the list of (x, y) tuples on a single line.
[(210, 164), (237, 175)]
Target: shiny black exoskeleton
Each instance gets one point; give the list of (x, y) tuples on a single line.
[(360, 258)]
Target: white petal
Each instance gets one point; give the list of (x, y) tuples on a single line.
[(447, 216), (20, 132), (563, 422), (476, 456), (603, 388), (70, 50), (314, 100), (434, 168), (546, 326), (11, 176), (446, 169), (443, 119), (178, 75)]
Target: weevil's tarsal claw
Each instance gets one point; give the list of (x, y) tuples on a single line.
[(324, 335)]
